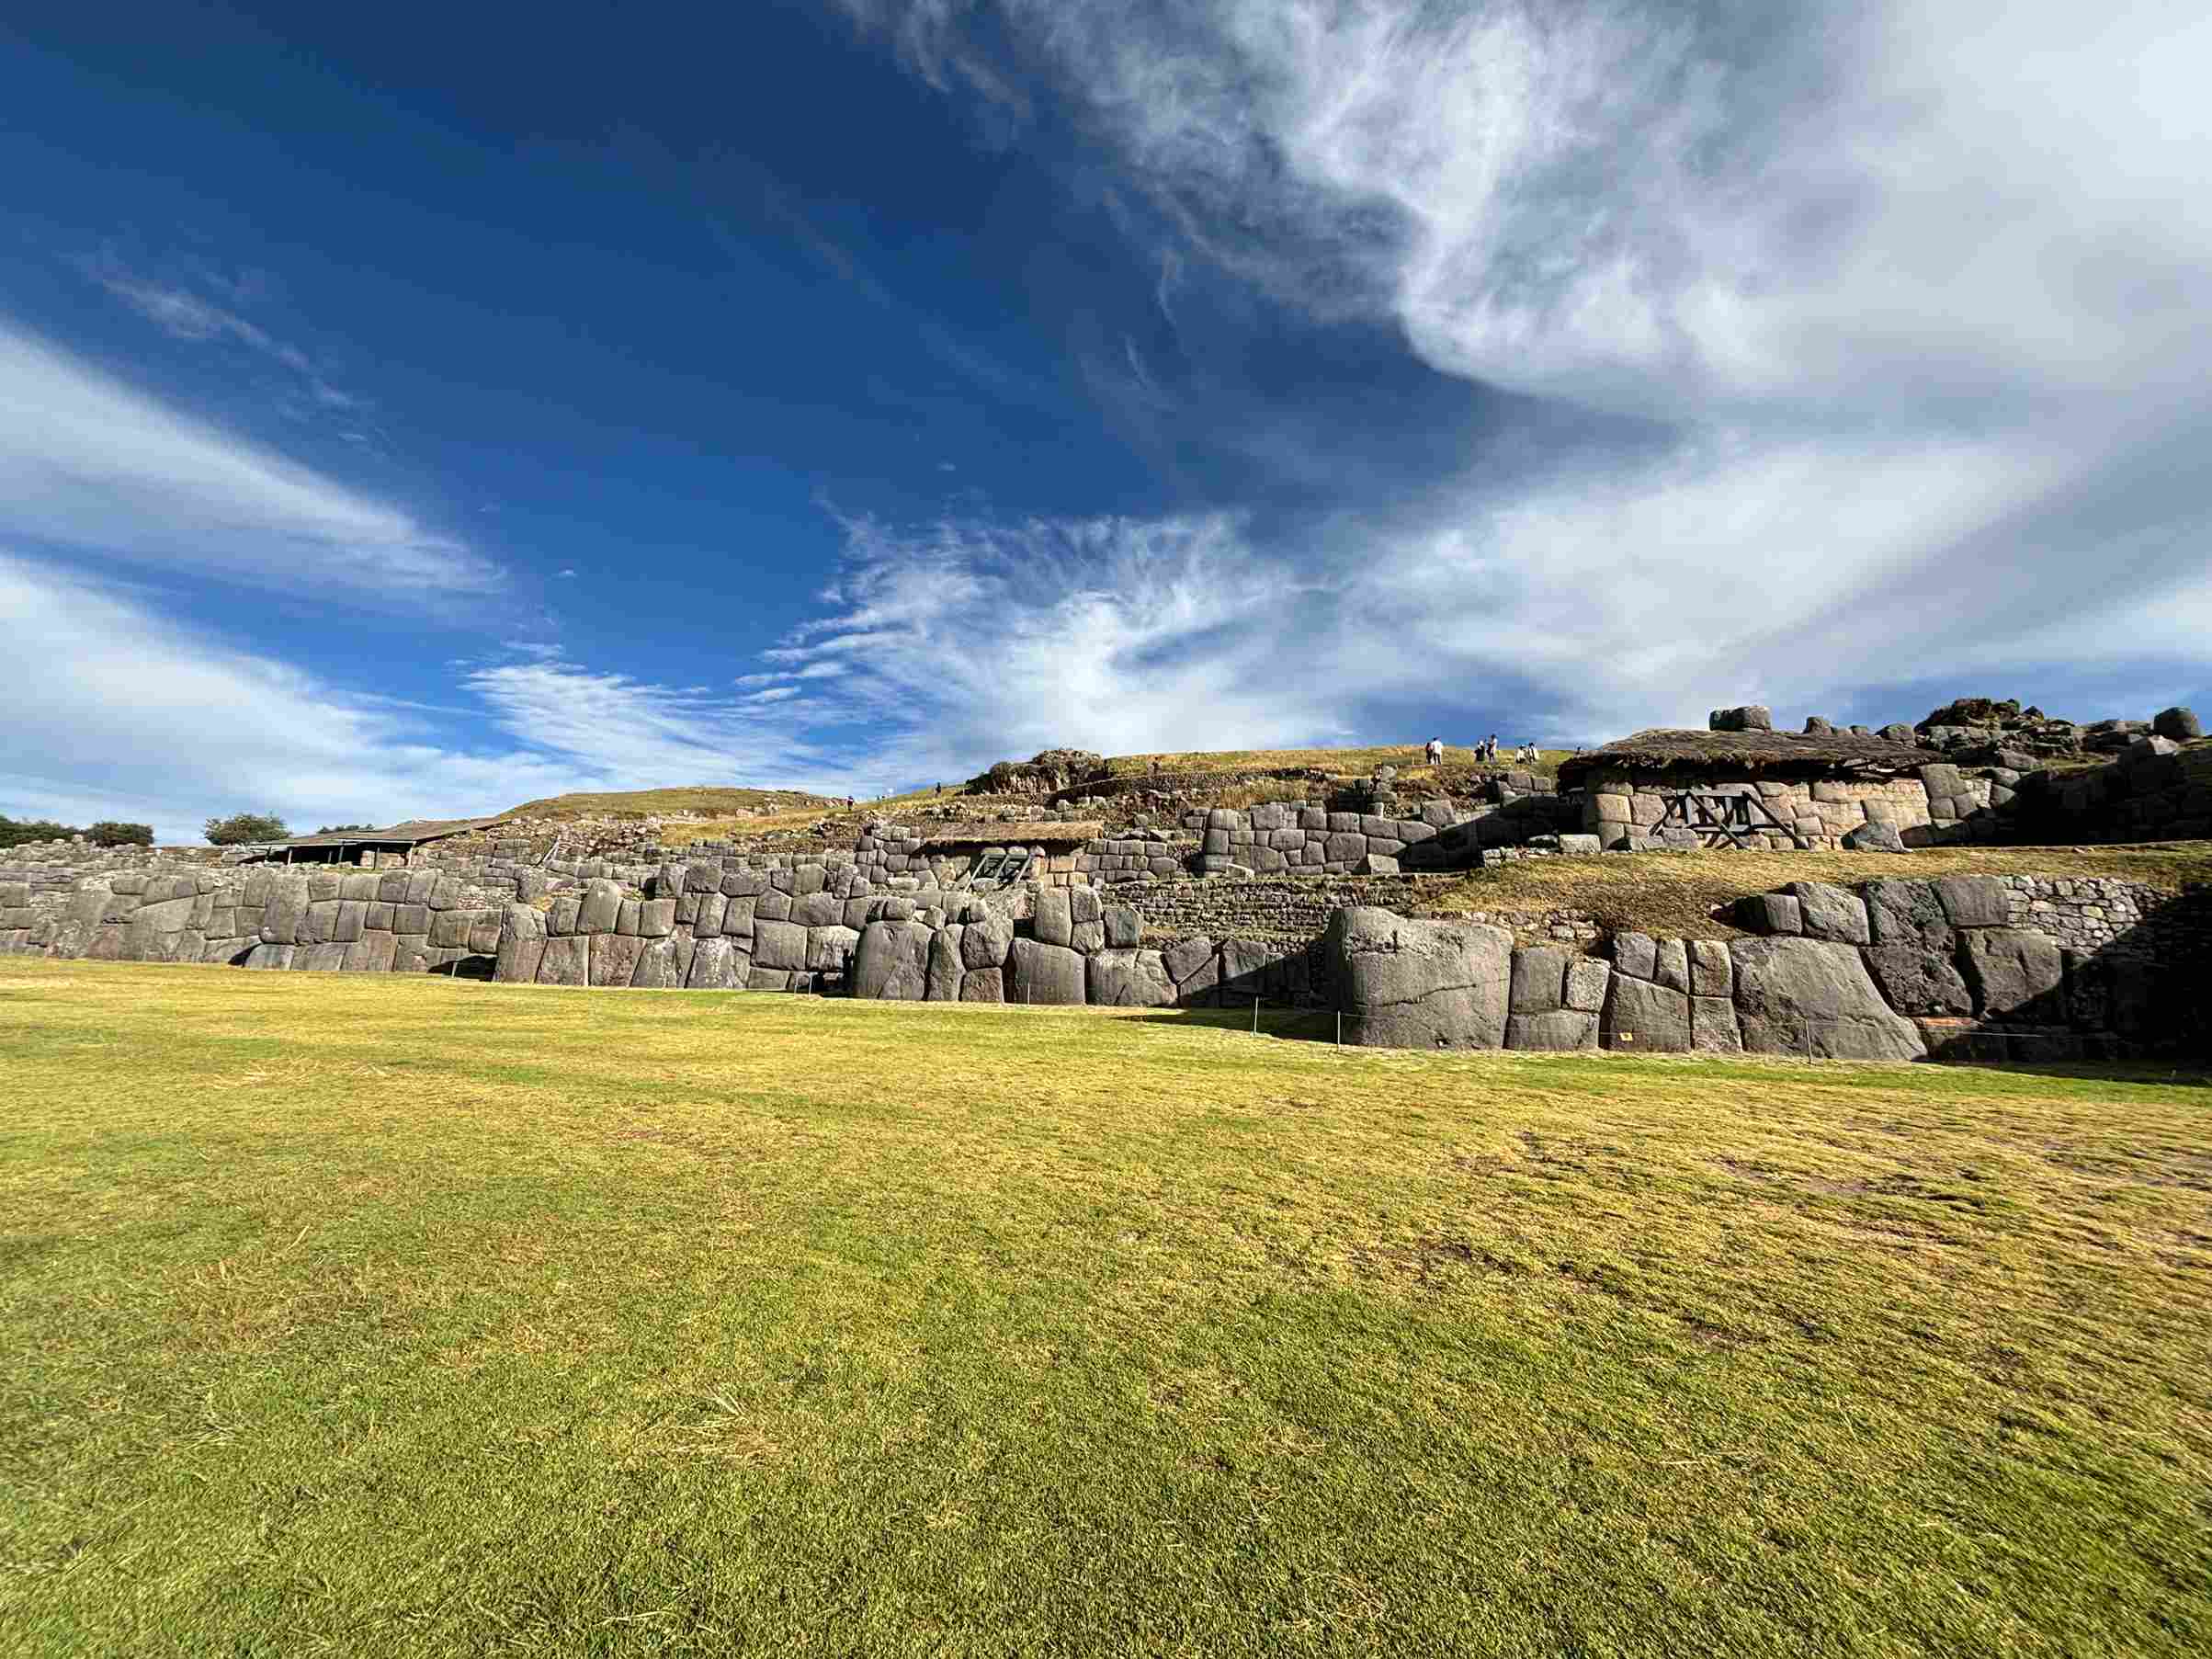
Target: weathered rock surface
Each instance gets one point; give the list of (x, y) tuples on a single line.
[(1420, 985), (1039, 973), (1814, 998)]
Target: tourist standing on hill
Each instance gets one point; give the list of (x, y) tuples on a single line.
[(1435, 751)]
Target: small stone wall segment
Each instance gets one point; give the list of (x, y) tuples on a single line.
[(1311, 840), (1960, 968)]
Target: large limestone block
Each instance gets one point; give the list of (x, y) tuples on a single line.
[(1129, 979), (410, 953), (892, 962), (1904, 911), (1052, 922), (1645, 1018), (1714, 1029), (1813, 997), (829, 950), (985, 941), (152, 933), (946, 969), (818, 909), (1420, 985), (614, 957), (983, 985), (2015, 974), (739, 916), (328, 957), (1185, 957), (1588, 979), (1635, 955), (321, 925), (271, 955), (656, 918), (1710, 974), (1559, 1030), (371, 953), (1246, 968), (521, 946), (780, 945), (1974, 901), (1919, 981), (1828, 912), (449, 929), (712, 966), (1540, 980), (657, 969), (601, 907), (1124, 927), (1039, 973)]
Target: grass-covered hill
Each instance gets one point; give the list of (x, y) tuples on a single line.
[(648, 803)]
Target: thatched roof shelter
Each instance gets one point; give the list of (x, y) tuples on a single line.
[(1745, 754), (1046, 832), (413, 833)]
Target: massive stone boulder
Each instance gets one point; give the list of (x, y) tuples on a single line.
[(1129, 979), (1039, 973), (1812, 997), (892, 962), (1749, 717), (1420, 985)]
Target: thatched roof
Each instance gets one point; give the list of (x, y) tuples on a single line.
[(1837, 754), (409, 833), (1049, 833)]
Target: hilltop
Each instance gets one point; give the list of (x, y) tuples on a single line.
[(701, 800)]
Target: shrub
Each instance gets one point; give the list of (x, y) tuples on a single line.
[(240, 828), (343, 829), (108, 833), (15, 832)]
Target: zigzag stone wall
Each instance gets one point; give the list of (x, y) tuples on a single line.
[(1961, 968), (394, 921)]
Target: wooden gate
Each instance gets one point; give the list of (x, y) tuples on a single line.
[(1723, 820)]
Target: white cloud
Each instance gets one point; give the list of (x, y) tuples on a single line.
[(187, 316), (1915, 285), (88, 462)]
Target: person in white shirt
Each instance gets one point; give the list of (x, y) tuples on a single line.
[(1435, 751)]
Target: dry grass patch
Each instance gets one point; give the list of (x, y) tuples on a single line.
[(1673, 895), (1406, 757), (647, 803), (373, 1314)]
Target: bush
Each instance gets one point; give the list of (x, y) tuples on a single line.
[(15, 831), (343, 829), (240, 828), (108, 833)]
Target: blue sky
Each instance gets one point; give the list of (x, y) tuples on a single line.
[(415, 410)]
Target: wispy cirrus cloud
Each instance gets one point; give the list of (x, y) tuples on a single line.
[(93, 464), (1911, 286)]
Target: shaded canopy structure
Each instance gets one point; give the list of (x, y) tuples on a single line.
[(341, 846)]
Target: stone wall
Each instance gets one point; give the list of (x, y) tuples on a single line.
[(1281, 906), (1979, 968), (396, 921), (1623, 809), (2157, 791), (1317, 841)]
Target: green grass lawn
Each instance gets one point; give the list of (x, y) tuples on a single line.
[(384, 1314)]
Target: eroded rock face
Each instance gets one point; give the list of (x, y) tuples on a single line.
[(1813, 997), (1420, 985)]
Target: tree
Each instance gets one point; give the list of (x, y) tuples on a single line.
[(108, 833), (342, 829), (15, 831), (242, 828)]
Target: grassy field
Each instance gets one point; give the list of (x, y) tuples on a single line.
[(382, 1314), (1674, 893)]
